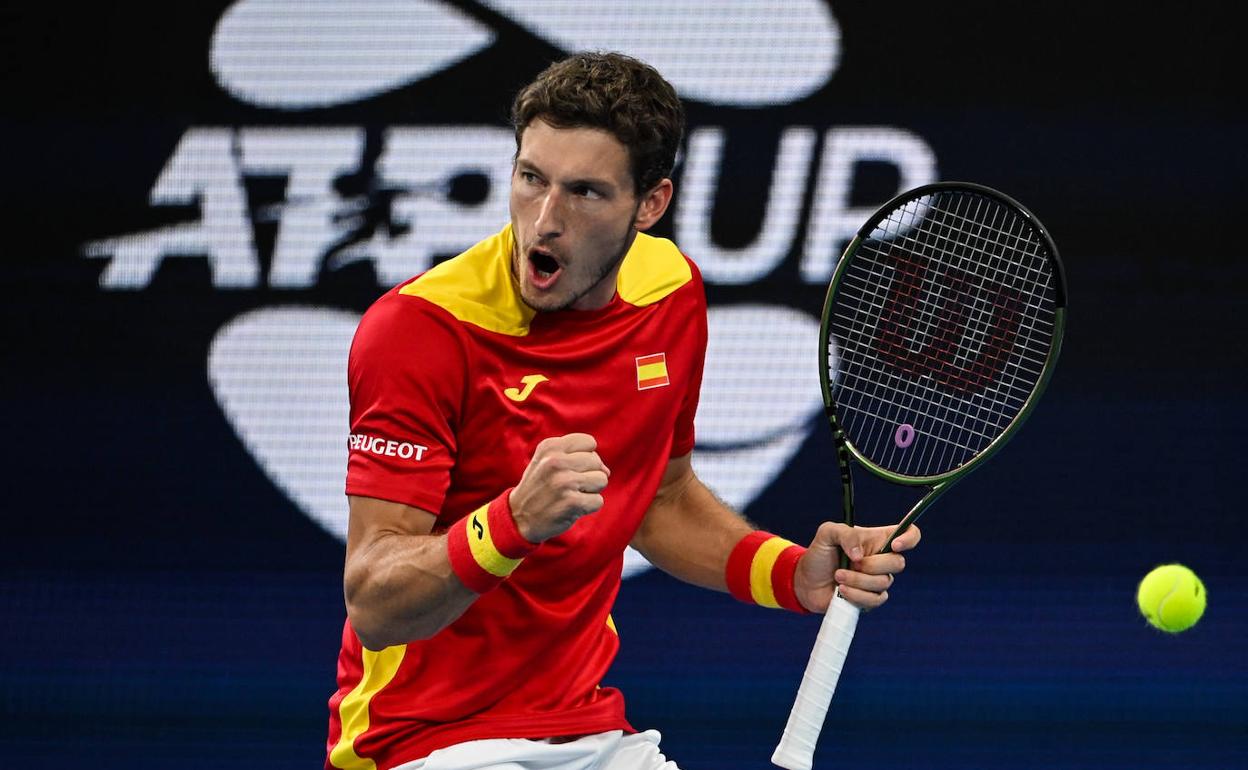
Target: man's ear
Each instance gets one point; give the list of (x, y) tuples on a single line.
[(654, 203)]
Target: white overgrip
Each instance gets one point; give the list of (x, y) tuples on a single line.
[(796, 750)]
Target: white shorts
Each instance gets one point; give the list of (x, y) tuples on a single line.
[(603, 751)]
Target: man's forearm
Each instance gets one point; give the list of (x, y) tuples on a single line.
[(403, 589), (689, 533)]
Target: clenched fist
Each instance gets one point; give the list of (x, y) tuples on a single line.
[(564, 481)]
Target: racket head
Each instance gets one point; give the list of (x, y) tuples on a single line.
[(941, 328)]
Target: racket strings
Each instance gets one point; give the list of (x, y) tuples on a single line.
[(948, 420), (995, 342), (935, 351), (944, 240), (960, 383), (940, 331)]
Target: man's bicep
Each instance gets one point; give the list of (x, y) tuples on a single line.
[(677, 476)]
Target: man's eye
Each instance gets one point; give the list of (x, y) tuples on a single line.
[(586, 192)]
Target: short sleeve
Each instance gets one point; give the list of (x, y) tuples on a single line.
[(405, 375), (683, 437)]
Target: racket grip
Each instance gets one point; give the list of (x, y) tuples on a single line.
[(796, 750)]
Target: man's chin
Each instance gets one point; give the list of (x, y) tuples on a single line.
[(546, 302)]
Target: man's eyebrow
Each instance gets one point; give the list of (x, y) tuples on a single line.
[(599, 182), (595, 182)]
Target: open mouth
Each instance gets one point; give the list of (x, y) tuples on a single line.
[(545, 268)]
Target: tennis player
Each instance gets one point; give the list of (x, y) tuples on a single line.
[(519, 415)]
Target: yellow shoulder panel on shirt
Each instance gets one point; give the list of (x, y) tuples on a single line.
[(477, 286), (653, 269)]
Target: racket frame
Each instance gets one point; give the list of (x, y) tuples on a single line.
[(801, 733), (939, 483)]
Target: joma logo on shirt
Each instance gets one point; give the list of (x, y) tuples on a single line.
[(404, 450), (530, 382)]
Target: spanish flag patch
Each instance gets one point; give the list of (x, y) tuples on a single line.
[(652, 371)]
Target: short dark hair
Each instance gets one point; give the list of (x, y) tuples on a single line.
[(619, 94)]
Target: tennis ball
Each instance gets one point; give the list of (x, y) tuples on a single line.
[(1172, 598)]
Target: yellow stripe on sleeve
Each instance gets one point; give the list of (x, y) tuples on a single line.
[(482, 545), (379, 669), (760, 571)]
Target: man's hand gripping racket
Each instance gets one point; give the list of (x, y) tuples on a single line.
[(941, 327)]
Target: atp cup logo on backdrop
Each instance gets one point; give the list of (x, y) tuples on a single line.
[(292, 56)]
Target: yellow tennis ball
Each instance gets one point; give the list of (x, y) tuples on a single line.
[(1171, 597)]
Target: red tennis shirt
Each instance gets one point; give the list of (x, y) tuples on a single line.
[(453, 382)]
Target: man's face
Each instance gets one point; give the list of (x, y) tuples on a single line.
[(573, 214)]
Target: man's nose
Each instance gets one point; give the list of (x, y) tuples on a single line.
[(549, 223)]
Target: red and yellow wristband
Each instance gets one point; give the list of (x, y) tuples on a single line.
[(486, 545), (760, 571)]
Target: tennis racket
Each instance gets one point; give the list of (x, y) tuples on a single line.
[(941, 327)]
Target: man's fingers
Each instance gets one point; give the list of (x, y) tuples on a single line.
[(871, 574), (574, 452), (583, 462), (867, 540), (881, 564), (908, 539), (867, 600), (589, 503), (572, 442), (563, 482), (592, 482), (593, 479), (846, 538), (864, 582)]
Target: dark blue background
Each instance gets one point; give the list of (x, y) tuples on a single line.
[(165, 606)]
